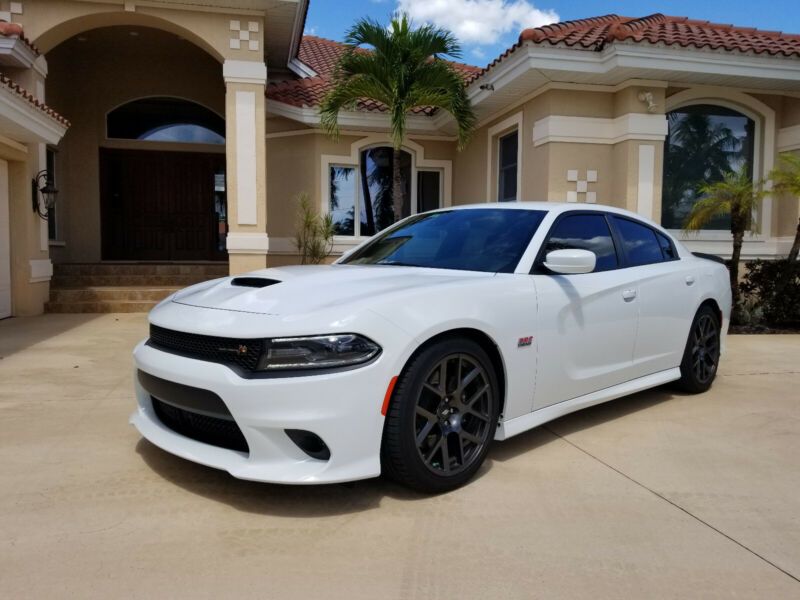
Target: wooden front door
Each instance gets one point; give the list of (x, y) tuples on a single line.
[(158, 205)]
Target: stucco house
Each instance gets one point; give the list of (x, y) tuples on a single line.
[(178, 133)]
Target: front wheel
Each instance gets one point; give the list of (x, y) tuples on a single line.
[(701, 355), (442, 417)]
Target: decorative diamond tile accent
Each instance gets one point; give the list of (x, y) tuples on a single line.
[(581, 186), (244, 32)]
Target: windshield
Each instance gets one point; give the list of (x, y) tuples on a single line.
[(483, 239)]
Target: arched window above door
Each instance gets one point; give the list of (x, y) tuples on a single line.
[(162, 119)]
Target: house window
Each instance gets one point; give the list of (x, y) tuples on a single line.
[(166, 120), (704, 142), (343, 199), (361, 196), (429, 190), (52, 220), (507, 167)]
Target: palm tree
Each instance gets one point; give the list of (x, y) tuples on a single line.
[(786, 180), (403, 70), (736, 196)]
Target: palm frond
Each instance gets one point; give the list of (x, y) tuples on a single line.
[(736, 195), (786, 177), (401, 68)]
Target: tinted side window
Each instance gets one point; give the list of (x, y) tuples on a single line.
[(639, 242), (585, 232), (667, 249)]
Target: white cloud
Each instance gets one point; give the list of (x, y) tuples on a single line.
[(478, 21), (478, 53)]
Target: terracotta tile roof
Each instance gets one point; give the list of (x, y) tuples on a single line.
[(25, 94), (596, 32), (14, 30), (321, 55)]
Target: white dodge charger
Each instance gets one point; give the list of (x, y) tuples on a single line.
[(418, 348)]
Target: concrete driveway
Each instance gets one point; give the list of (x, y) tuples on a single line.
[(656, 495)]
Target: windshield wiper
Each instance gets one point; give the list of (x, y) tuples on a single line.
[(396, 263)]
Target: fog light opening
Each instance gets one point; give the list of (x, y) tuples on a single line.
[(310, 443)]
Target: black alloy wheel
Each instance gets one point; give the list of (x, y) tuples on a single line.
[(442, 417), (701, 356)]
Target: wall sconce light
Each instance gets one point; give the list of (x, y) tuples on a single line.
[(43, 184)]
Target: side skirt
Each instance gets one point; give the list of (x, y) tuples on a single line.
[(517, 425)]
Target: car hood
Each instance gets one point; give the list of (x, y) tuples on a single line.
[(305, 289)]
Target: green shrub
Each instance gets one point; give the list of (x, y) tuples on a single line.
[(314, 232), (772, 291)]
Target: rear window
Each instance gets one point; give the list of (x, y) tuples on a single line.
[(667, 249), (639, 242), (482, 239)]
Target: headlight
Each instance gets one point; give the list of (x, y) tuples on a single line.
[(317, 352)]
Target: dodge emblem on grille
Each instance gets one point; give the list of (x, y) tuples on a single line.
[(241, 350)]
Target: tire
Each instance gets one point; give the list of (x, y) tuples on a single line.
[(437, 436), (701, 355)]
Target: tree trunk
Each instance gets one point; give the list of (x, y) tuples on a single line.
[(367, 201), (397, 185), (796, 245), (738, 238)]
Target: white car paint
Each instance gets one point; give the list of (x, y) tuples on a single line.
[(596, 336)]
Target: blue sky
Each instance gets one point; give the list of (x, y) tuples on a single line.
[(487, 27)]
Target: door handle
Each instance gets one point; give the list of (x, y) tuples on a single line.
[(690, 280), (628, 295)]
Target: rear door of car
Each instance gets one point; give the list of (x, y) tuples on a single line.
[(586, 326), (666, 296)]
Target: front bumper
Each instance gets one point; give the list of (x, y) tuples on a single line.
[(344, 409)]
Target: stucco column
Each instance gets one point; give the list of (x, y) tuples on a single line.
[(246, 159)]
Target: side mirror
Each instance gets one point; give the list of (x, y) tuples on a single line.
[(569, 262)]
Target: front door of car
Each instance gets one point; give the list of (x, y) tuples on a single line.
[(586, 327)]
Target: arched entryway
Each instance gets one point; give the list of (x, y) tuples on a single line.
[(141, 172)]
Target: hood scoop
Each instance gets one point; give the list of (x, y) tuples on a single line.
[(253, 282)]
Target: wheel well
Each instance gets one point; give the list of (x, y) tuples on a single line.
[(714, 306), (485, 342)]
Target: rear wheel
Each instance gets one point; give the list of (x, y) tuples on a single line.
[(701, 355), (442, 417)]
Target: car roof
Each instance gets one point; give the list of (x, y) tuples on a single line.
[(556, 208)]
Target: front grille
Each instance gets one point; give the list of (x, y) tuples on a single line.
[(244, 353), (209, 430)]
